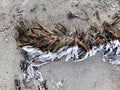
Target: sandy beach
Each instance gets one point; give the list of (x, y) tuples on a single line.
[(90, 74)]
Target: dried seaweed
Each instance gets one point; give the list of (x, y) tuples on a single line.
[(97, 15), (70, 15), (17, 84), (40, 45)]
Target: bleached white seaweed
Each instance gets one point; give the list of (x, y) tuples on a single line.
[(34, 58)]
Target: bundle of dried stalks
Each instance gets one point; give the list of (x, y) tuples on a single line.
[(40, 45)]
